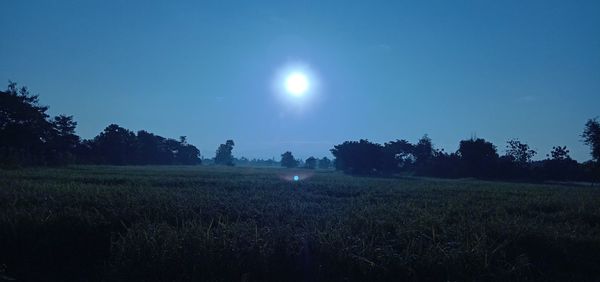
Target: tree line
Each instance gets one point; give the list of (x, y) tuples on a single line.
[(475, 157), (29, 136), (288, 160)]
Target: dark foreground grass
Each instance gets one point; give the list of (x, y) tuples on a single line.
[(242, 224)]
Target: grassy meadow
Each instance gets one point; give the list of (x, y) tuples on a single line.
[(94, 223)]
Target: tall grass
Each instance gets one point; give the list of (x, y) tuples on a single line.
[(244, 224)]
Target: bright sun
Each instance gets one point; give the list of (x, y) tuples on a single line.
[(296, 84)]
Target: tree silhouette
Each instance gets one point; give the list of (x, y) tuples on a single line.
[(29, 137), (288, 160), (519, 152), (478, 156), (591, 137), (64, 127), (310, 163), (63, 140), (119, 146), (560, 166), (423, 151), (223, 155), (152, 149), (187, 154), (324, 163), (362, 157), (115, 145), (24, 128), (560, 153), (403, 151)]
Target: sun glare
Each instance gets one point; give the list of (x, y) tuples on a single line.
[(296, 84)]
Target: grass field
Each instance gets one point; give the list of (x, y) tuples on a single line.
[(250, 224)]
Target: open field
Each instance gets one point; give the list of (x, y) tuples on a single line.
[(244, 224)]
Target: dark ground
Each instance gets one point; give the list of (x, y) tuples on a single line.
[(243, 224)]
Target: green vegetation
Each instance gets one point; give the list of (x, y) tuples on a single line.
[(245, 224)]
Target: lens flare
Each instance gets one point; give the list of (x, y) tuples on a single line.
[(296, 175)]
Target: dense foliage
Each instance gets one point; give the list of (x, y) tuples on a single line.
[(475, 157), (324, 163), (310, 163), (288, 160), (242, 224), (591, 137), (362, 157), (29, 137), (223, 156)]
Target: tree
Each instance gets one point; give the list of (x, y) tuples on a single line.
[(223, 155), (560, 166), (115, 145), (423, 151), (324, 163), (188, 154), (288, 160), (444, 165), (157, 150), (591, 137), (559, 153), (519, 152), (64, 128), (24, 128), (478, 156), (152, 149), (403, 152), (362, 157), (29, 137), (63, 141), (311, 163)]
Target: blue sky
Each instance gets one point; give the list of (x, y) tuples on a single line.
[(386, 70)]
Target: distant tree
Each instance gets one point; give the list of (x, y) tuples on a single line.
[(559, 153), (478, 156), (63, 141), (403, 151), (288, 160), (115, 145), (120, 146), (243, 161), (362, 157), (28, 136), (423, 150), (187, 154), (591, 137), (519, 152), (64, 127), (311, 163), (223, 155), (324, 163), (444, 165), (560, 166), (152, 149)]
